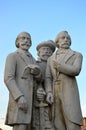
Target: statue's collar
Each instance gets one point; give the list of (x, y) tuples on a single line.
[(23, 52), (62, 51)]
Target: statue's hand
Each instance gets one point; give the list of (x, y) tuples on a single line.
[(35, 71), (49, 98), (56, 64), (40, 94), (22, 104)]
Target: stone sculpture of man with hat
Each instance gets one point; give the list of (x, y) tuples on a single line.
[(41, 117)]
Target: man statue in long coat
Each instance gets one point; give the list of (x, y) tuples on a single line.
[(18, 78), (61, 85), (41, 118)]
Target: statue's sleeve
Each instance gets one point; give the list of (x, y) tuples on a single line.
[(9, 77), (38, 77), (48, 78), (72, 69)]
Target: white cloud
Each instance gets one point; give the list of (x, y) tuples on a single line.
[(83, 110), (2, 126)]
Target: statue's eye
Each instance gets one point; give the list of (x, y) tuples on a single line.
[(23, 38), (63, 37)]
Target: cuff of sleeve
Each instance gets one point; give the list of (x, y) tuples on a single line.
[(39, 76), (18, 97)]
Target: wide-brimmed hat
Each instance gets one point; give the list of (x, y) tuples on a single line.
[(48, 43)]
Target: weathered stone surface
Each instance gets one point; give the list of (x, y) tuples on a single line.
[(61, 85)]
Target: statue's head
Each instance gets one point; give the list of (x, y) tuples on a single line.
[(21, 37), (63, 40), (45, 49)]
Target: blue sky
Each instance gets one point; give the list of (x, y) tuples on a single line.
[(43, 20)]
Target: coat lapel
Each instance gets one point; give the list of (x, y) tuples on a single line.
[(24, 57), (65, 58), (68, 55)]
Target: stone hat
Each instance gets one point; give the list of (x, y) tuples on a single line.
[(49, 43)]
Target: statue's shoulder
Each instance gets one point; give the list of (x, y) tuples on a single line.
[(12, 55), (77, 53)]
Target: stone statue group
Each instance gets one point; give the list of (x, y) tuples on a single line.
[(43, 94)]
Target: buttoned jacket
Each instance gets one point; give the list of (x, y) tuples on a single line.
[(17, 86), (69, 66)]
